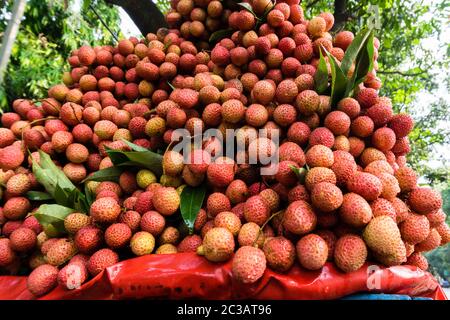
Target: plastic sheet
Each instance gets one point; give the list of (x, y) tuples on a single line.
[(186, 275)]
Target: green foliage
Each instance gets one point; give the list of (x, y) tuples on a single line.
[(48, 33), (163, 5)]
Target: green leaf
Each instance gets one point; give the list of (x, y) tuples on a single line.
[(133, 146), (338, 81), (38, 196), (299, 172), (364, 64), (143, 159), (52, 215), (89, 195), (354, 49), (108, 174), (191, 202), (220, 34), (321, 75), (171, 85), (248, 7)]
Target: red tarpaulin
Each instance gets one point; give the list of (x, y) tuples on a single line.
[(186, 275)]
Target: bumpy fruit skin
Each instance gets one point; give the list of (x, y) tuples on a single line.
[(366, 185), (117, 235), (105, 210), (383, 237), (355, 210), (166, 248), (22, 240), (218, 245), (418, 260), (220, 174), (189, 243), (7, 255), (142, 243), (280, 253), (42, 279), (407, 178), (312, 252), (101, 260), (402, 124), (60, 252), (415, 229), (350, 253), (431, 242), (229, 221), (166, 200), (326, 197), (88, 239), (299, 218), (250, 234), (319, 156), (256, 210), (75, 221), (424, 200), (153, 222), (249, 264)]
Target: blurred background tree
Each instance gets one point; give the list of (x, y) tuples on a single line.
[(49, 31)]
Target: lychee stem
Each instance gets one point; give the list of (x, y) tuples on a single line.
[(265, 223)]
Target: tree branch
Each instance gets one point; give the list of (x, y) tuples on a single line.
[(405, 74), (144, 13), (340, 14)]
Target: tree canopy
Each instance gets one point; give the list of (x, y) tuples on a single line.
[(49, 31)]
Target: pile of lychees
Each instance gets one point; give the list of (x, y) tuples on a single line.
[(356, 201)]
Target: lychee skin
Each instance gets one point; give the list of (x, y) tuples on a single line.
[(16, 208), (88, 239), (256, 210), (105, 210), (280, 253), (142, 243), (117, 235), (42, 279), (217, 202), (418, 260), (415, 229), (366, 185), (220, 174), (299, 218), (166, 200), (22, 240), (383, 237), (407, 178), (189, 243), (7, 255), (350, 253), (249, 264), (430, 243), (312, 252), (326, 196), (229, 221), (218, 245), (60, 252), (101, 260), (402, 124), (424, 200), (75, 221), (250, 235)]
